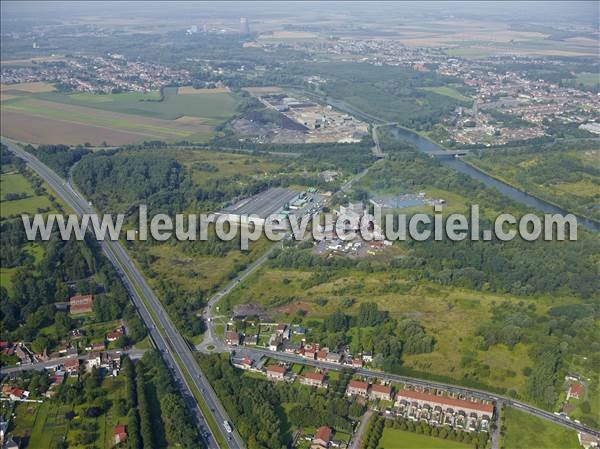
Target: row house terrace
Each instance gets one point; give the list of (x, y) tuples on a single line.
[(444, 410)]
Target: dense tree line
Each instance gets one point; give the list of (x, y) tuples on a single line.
[(59, 158), (255, 406), (122, 178)]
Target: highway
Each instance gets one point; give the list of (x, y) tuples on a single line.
[(165, 336), (480, 394)]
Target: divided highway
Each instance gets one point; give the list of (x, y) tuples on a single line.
[(162, 331)]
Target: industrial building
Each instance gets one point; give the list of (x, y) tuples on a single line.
[(274, 201)]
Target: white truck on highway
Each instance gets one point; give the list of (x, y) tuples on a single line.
[(227, 426)]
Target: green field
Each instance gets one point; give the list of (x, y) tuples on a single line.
[(588, 79), (452, 315), (215, 107), (524, 431), (45, 424), (448, 92), (399, 439), (17, 184), (568, 179)]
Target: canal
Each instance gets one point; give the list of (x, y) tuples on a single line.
[(428, 147)]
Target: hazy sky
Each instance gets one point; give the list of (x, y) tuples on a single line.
[(574, 13)]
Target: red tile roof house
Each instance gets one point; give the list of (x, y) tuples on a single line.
[(575, 391), (322, 438), (382, 392), (313, 379), (100, 346), (232, 338), (14, 393), (358, 388), (120, 434), (71, 366), (322, 356), (310, 354), (276, 372), (81, 304), (116, 334)]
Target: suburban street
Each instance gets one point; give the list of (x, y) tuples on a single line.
[(480, 394), (165, 336), (53, 363)]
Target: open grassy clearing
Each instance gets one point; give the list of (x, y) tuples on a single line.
[(399, 439), (200, 272), (524, 431), (451, 315), (28, 62), (207, 166), (190, 90), (15, 183)]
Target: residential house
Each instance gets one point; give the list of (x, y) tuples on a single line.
[(333, 357), (276, 372), (245, 363), (23, 354), (367, 356), (357, 388), (357, 363), (313, 379), (81, 304), (93, 361), (96, 347), (310, 353), (116, 334), (274, 342), (120, 434), (283, 330), (291, 348), (14, 393), (322, 356), (111, 361), (251, 340), (232, 338), (383, 392), (298, 330), (71, 366), (575, 391), (322, 438)]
